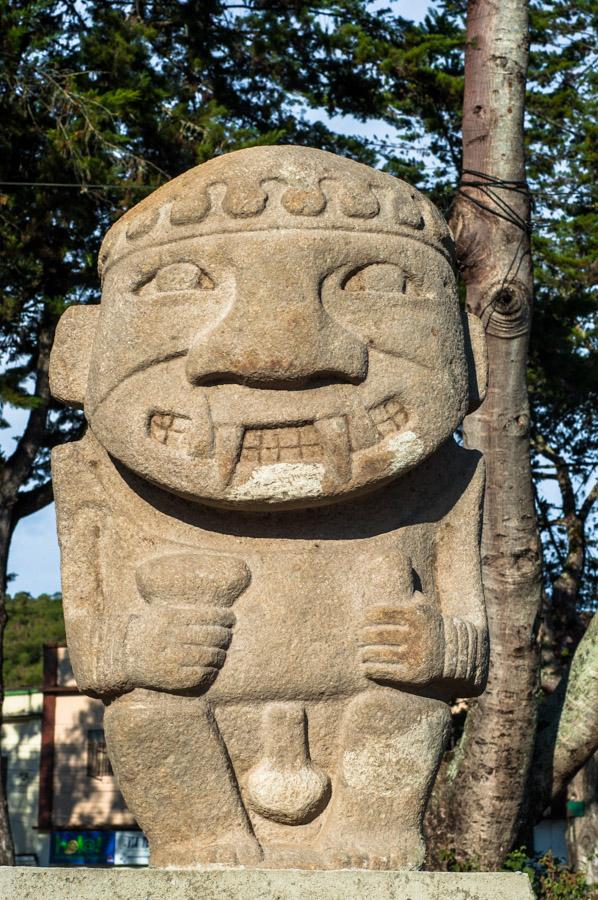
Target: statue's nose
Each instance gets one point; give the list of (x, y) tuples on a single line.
[(277, 345)]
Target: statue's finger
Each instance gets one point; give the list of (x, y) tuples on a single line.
[(383, 614), (383, 653), (393, 635), (186, 617), (206, 635), (386, 672), (191, 656)]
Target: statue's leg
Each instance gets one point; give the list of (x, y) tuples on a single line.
[(175, 774), (389, 751)]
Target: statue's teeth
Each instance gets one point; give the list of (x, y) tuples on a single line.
[(362, 429), (201, 436), (334, 437), (159, 426), (227, 449)]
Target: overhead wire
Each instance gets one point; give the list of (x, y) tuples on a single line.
[(81, 186)]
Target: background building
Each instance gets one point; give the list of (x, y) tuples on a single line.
[(80, 806), (21, 748)]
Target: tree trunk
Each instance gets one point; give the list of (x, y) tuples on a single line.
[(14, 504), (478, 798), (562, 626), (568, 736), (582, 826), (7, 855)]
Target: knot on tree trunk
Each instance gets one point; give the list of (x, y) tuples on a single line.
[(506, 313)]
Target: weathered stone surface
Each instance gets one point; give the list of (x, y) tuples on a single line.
[(269, 537), (258, 884)]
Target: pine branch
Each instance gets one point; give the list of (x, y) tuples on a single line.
[(32, 501), (588, 503), (17, 467)]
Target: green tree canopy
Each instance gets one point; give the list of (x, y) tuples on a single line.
[(32, 622)]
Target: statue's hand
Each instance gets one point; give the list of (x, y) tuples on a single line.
[(179, 640), (172, 649), (402, 641)]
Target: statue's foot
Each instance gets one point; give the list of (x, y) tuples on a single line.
[(364, 851), (234, 850), (360, 858), (242, 852), (365, 855), (288, 856)]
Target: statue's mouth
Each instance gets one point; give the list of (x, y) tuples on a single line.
[(238, 450), (258, 448)]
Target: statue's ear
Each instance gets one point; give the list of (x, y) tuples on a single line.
[(477, 359), (71, 354)]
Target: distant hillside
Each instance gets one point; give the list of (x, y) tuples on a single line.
[(32, 622)]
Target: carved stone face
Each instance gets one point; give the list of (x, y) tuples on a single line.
[(278, 327)]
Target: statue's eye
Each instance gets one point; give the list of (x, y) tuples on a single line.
[(378, 278), (183, 277), (176, 278)]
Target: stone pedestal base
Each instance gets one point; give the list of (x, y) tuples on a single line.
[(257, 884)]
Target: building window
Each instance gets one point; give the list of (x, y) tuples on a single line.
[(98, 763)]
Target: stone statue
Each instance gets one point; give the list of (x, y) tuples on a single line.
[(269, 536)]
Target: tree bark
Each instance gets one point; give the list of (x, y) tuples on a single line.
[(582, 831), (7, 854), (563, 626), (569, 734), (565, 588), (478, 798), (15, 473)]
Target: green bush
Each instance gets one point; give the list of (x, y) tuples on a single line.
[(551, 879)]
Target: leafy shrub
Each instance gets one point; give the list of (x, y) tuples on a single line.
[(551, 879)]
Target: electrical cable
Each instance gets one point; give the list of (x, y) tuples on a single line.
[(504, 210), (83, 187)]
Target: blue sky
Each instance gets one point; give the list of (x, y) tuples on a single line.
[(34, 558)]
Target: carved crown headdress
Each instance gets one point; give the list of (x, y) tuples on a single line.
[(276, 187)]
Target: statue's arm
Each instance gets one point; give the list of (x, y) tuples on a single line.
[(95, 634), (164, 623), (440, 638), (459, 585)]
